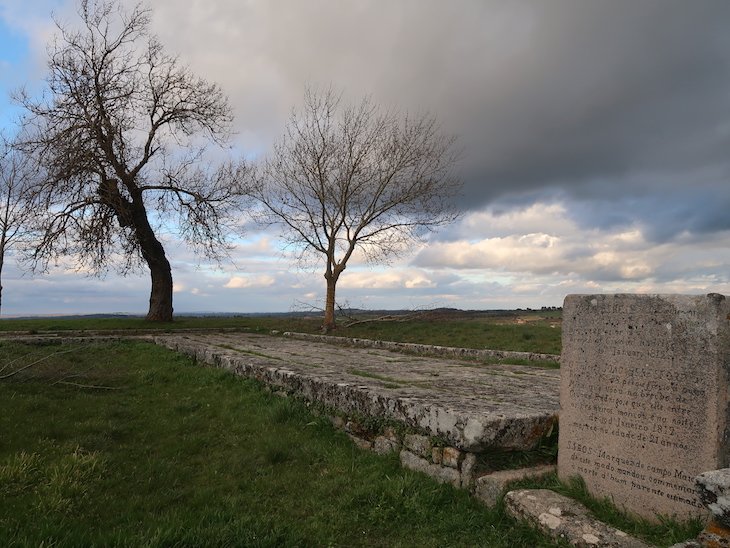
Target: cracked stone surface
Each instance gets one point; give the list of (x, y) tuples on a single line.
[(472, 406), (566, 519)]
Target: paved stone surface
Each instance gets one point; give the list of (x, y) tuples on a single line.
[(473, 407), (566, 519)]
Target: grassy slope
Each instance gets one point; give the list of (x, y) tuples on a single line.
[(172, 454)]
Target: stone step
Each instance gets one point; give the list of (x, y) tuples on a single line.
[(563, 518)]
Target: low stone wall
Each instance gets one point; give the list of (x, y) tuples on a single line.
[(426, 349), (440, 436), (418, 452)]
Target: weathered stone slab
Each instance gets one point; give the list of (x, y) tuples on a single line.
[(644, 397), (471, 407), (565, 519), (490, 488)]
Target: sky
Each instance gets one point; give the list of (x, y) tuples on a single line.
[(595, 139)]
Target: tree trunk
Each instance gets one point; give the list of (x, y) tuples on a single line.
[(160, 271), (161, 292), (2, 263), (329, 304)]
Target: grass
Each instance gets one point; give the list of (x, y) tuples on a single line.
[(538, 336), (537, 332), (165, 453)]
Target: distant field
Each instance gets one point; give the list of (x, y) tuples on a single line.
[(527, 331)]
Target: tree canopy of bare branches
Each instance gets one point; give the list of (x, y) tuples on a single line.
[(121, 134), (16, 218), (357, 177)]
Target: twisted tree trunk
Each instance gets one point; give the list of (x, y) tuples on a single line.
[(153, 253), (132, 213)]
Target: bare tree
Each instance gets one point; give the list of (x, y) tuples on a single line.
[(121, 133), (15, 216), (357, 177)]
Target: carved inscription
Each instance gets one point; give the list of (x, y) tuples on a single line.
[(639, 402)]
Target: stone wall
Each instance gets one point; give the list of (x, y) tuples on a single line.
[(427, 349)]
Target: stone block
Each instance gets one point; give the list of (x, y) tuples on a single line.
[(439, 473), (490, 488), (468, 468), (420, 445), (354, 427), (362, 443), (390, 433), (383, 445), (451, 457), (644, 398), (565, 519), (337, 422)]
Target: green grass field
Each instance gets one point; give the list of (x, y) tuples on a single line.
[(164, 453), (527, 332)]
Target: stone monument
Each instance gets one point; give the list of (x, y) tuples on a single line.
[(644, 397)]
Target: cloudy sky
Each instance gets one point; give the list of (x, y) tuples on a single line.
[(596, 140)]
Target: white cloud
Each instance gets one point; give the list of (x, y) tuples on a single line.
[(241, 282), (605, 257), (392, 278)]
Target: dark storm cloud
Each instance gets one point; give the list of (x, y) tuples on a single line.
[(607, 92), (582, 97)]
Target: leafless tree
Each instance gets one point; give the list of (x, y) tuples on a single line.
[(16, 217), (121, 134), (357, 177)]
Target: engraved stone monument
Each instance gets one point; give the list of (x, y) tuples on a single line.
[(644, 397)]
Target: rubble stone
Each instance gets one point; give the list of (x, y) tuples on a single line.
[(714, 491), (437, 472), (383, 445), (468, 468), (451, 457), (420, 445)]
